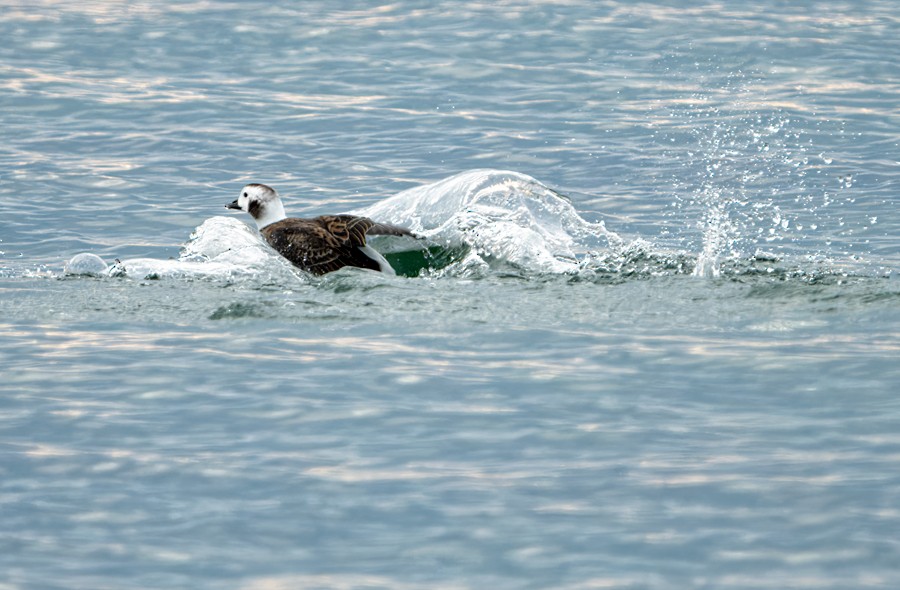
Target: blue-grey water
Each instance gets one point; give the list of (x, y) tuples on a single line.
[(651, 338)]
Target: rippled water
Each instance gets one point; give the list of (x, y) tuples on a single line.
[(651, 339)]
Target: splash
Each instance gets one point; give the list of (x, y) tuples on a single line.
[(484, 222), (498, 219), (220, 248), (744, 175)]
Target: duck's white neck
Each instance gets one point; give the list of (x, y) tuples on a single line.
[(273, 211)]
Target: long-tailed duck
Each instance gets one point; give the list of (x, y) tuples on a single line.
[(318, 245)]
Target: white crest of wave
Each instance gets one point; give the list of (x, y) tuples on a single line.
[(221, 247), (229, 241), (502, 216)]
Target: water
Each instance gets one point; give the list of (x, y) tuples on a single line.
[(650, 341)]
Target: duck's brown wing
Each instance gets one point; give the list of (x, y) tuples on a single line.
[(323, 244), (357, 228), (349, 229)]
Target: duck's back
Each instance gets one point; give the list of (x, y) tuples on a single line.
[(324, 244)]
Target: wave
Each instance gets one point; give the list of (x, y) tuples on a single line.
[(220, 248), (475, 223), (497, 218)]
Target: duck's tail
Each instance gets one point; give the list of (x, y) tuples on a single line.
[(386, 229)]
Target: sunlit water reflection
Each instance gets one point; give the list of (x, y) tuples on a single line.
[(651, 340)]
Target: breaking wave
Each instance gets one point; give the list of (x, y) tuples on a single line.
[(473, 224)]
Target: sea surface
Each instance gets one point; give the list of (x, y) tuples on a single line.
[(649, 338)]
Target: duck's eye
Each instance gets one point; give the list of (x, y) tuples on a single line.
[(245, 194)]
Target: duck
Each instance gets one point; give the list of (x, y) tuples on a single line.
[(317, 245)]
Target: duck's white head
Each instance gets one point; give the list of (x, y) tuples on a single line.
[(261, 202)]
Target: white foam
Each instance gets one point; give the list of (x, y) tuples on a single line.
[(501, 215), (86, 264), (221, 247)]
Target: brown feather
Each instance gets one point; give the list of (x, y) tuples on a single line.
[(324, 244)]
